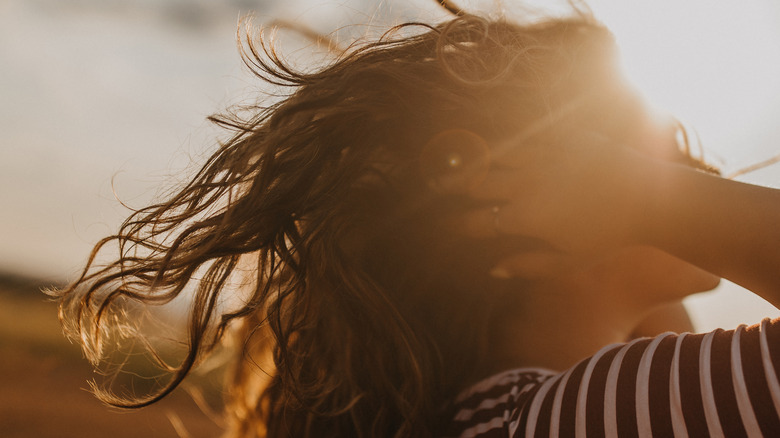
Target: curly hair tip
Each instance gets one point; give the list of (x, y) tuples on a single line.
[(451, 8)]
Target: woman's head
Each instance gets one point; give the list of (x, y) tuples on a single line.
[(374, 309)]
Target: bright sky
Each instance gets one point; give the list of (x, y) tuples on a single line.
[(715, 64), (89, 94)]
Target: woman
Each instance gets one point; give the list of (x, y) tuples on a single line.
[(433, 209)]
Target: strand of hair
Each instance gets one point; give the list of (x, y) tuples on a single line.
[(451, 8), (308, 33), (754, 167)]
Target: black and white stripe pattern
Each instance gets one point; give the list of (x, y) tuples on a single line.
[(718, 384)]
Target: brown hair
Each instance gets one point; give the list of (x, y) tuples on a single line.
[(373, 313)]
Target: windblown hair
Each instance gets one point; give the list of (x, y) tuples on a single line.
[(373, 312)]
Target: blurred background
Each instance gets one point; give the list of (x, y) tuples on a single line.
[(107, 99)]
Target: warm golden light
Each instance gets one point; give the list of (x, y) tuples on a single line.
[(713, 64), (716, 66)]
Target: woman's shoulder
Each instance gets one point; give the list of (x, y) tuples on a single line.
[(491, 403), (503, 381)]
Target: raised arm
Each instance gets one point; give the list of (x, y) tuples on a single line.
[(731, 229), (591, 197)]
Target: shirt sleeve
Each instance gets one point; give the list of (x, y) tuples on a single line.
[(722, 383), (718, 384)]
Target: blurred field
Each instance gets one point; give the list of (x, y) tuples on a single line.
[(43, 381)]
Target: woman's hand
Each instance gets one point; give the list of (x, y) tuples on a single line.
[(584, 197), (588, 197)]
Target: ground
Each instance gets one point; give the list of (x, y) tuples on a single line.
[(43, 382)]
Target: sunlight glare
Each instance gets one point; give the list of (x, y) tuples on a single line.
[(713, 64)]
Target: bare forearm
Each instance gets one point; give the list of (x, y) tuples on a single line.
[(731, 229)]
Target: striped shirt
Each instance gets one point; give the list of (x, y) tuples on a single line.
[(717, 384)]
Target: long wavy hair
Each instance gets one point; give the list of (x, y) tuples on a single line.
[(320, 241)]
